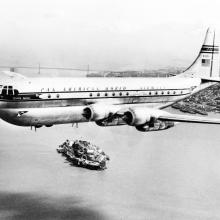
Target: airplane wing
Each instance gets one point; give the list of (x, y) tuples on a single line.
[(136, 116), (188, 118)]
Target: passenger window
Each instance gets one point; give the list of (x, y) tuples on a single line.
[(113, 94), (120, 93), (49, 96), (58, 96), (106, 94), (90, 94), (127, 93), (98, 94)]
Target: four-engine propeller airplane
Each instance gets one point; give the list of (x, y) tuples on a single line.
[(138, 102)]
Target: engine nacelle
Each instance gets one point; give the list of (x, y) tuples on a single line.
[(137, 116), (99, 112), (145, 119), (156, 125)]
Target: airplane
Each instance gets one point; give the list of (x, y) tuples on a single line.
[(137, 102)]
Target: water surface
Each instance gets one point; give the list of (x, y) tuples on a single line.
[(173, 174)]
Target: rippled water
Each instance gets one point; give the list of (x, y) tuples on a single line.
[(174, 174)]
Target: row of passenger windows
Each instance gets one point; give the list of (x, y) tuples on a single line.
[(127, 93), (107, 94), (149, 93)]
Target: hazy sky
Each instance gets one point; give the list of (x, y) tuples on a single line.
[(106, 34)]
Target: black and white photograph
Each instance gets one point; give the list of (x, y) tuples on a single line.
[(109, 110)]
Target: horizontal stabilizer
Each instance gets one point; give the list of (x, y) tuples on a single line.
[(213, 79), (12, 75)]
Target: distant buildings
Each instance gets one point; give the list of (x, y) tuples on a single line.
[(207, 100)]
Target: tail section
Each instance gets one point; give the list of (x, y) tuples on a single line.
[(206, 65)]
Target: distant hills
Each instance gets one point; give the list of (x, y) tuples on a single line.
[(165, 72)]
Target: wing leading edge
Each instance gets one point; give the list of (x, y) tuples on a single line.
[(188, 119)]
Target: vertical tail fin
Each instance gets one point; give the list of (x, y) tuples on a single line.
[(206, 64)]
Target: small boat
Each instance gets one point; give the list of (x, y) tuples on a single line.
[(84, 154)]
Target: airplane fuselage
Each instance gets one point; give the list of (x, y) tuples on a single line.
[(48, 101)]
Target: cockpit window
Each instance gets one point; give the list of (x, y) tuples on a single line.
[(8, 92), (15, 92), (4, 91)]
